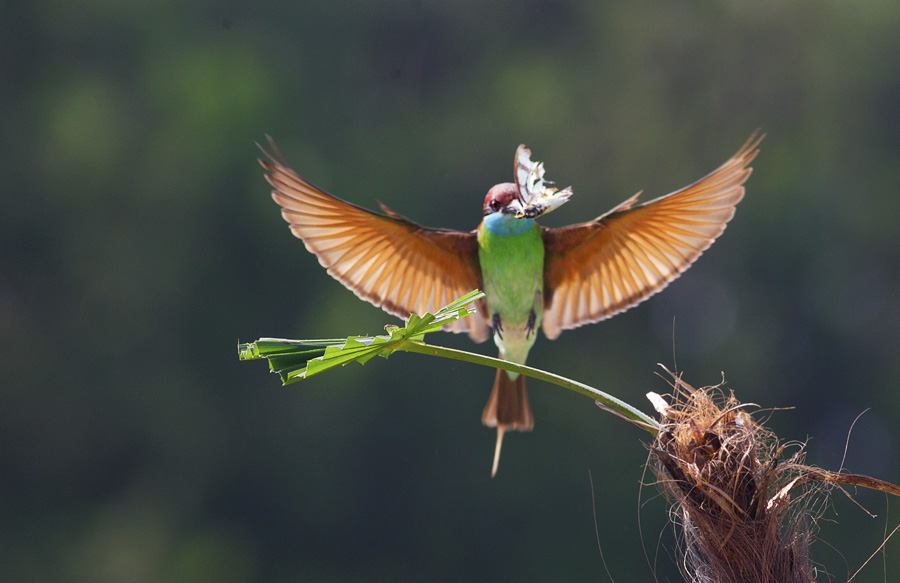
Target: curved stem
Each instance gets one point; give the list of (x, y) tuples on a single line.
[(606, 400)]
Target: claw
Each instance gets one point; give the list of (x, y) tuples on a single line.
[(529, 327), (497, 325)]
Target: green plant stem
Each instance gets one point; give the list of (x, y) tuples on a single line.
[(605, 399)]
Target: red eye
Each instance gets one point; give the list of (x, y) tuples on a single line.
[(495, 204)]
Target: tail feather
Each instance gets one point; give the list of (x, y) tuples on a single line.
[(507, 409)]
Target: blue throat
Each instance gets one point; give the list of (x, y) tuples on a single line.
[(506, 225)]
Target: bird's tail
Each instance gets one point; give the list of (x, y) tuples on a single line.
[(507, 409)]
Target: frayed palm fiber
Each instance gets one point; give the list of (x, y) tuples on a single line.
[(721, 469), (742, 519)]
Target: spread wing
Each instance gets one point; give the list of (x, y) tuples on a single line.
[(387, 260), (597, 269)]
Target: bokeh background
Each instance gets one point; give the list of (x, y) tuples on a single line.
[(138, 245)]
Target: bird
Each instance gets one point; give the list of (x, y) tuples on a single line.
[(532, 276)]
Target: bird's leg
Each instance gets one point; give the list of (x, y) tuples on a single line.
[(532, 317), (497, 325), (529, 326)]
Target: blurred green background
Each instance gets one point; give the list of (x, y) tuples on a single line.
[(138, 245)]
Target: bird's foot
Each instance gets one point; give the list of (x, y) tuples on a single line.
[(497, 325), (529, 326)]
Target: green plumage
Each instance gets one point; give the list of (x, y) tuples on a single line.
[(511, 254)]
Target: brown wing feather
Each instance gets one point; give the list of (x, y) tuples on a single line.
[(386, 260), (595, 270)]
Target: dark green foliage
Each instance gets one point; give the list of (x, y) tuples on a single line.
[(138, 241)]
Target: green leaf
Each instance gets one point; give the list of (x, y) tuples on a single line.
[(294, 360), (298, 359)]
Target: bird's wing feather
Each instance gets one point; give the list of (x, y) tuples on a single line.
[(596, 269), (386, 260)]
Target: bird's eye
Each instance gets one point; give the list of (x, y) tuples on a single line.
[(495, 205)]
